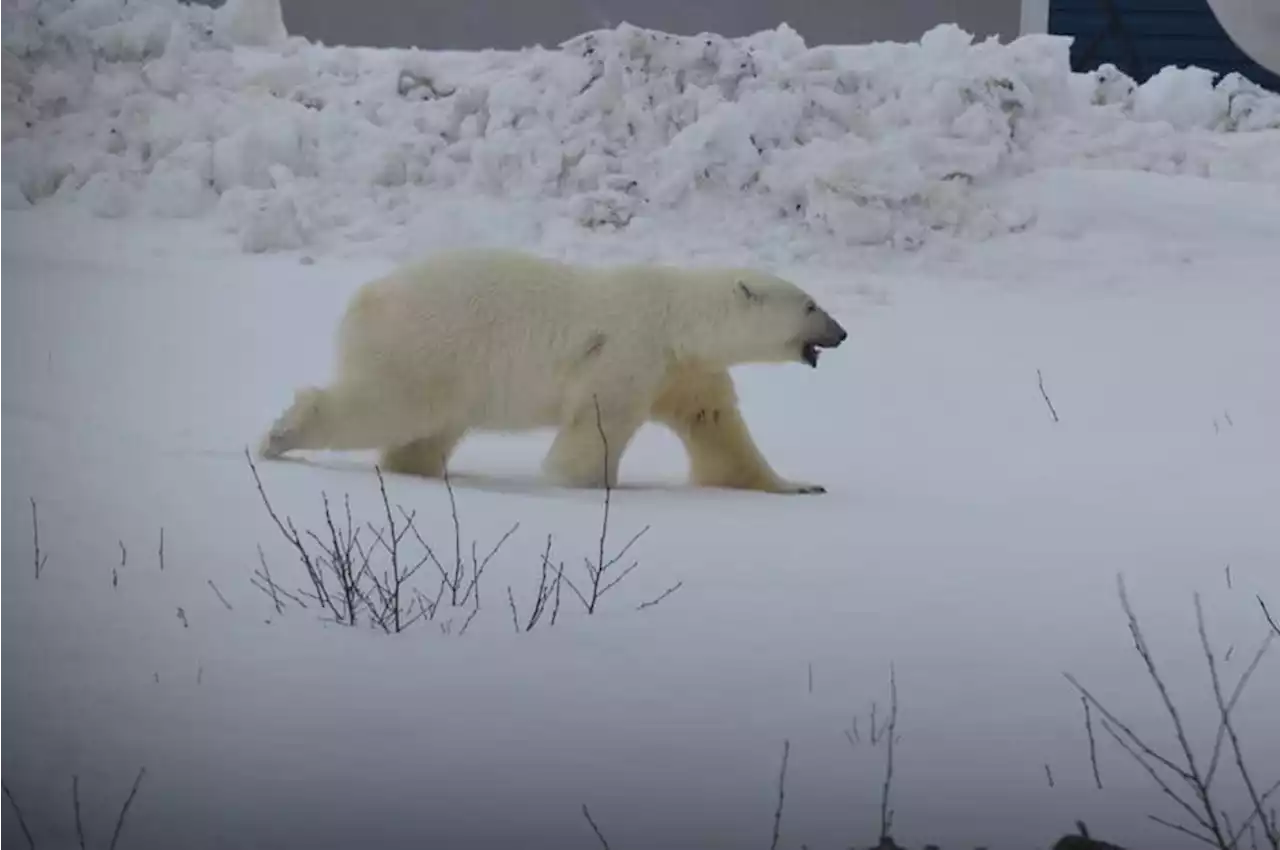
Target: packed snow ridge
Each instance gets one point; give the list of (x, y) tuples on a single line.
[(148, 107)]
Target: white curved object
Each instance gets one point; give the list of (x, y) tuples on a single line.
[(1254, 25), (257, 23)]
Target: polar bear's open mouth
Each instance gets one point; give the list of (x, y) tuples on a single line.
[(809, 353)]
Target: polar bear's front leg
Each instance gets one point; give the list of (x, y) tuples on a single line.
[(579, 457), (701, 407)]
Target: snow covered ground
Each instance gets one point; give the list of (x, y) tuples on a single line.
[(183, 223)]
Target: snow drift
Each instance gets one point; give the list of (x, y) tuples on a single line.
[(149, 108)]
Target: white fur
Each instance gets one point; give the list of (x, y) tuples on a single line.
[(500, 340)]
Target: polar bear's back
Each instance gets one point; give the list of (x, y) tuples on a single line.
[(495, 331)]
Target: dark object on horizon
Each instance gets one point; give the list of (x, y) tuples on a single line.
[(1142, 36), (1083, 841), (1079, 842)]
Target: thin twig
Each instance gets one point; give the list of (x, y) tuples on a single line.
[(1045, 396), (604, 522), (1271, 622), (124, 810), (1048, 772), (597, 570), (1231, 704), (515, 618), (40, 558), (782, 794), (272, 589), (457, 536), (221, 598), (397, 577), (75, 805), (22, 821), (886, 814), (467, 622), (599, 835), (161, 551), (555, 608), (1191, 833), (478, 566), (1268, 824), (1093, 744)]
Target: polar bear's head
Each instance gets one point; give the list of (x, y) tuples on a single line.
[(771, 320)]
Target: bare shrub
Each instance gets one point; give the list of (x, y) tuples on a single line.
[(1181, 777), (882, 731), (352, 586), (345, 581), (75, 812), (550, 583)]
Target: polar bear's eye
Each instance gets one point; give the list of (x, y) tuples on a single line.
[(810, 307)]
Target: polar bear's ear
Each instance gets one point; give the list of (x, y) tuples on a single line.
[(747, 292)]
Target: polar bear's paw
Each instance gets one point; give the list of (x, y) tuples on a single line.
[(274, 444), (288, 431), (798, 488)]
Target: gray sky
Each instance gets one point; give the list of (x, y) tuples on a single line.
[(476, 24)]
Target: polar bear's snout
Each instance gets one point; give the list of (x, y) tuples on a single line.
[(829, 335)]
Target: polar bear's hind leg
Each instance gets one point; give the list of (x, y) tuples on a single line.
[(579, 457), (426, 456), (345, 418)]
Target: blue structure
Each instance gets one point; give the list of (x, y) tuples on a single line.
[(1142, 36)]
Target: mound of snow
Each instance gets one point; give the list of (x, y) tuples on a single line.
[(149, 107)]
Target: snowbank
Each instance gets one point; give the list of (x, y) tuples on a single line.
[(148, 108)]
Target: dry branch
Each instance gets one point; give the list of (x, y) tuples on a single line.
[(672, 589), (221, 598), (124, 810), (1270, 621), (1212, 823), (75, 805), (596, 572), (17, 810), (782, 794), (1093, 743), (1045, 395), (599, 835), (348, 581), (886, 813), (40, 558)]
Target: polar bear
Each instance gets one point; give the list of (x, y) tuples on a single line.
[(484, 339)]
